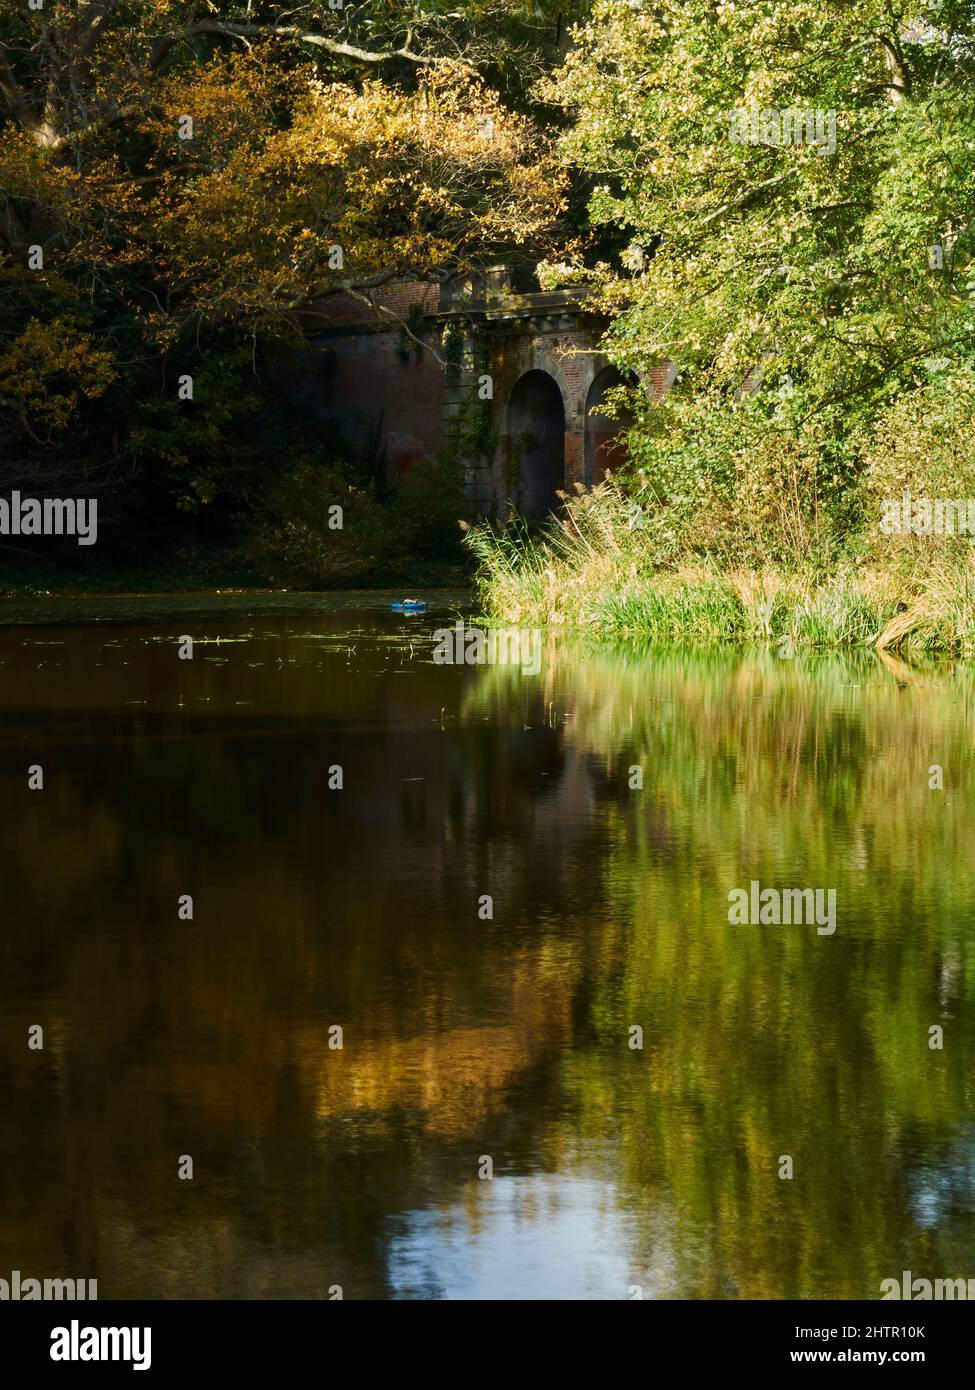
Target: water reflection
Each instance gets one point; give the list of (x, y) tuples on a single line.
[(538, 1236), (465, 1037)]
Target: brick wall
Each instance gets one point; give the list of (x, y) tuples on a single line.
[(364, 381), (344, 310), (369, 386)]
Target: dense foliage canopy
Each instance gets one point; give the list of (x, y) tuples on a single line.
[(180, 180), (796, 183), (775, 197)]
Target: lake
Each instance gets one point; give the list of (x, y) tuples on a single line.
[(457, 1009)]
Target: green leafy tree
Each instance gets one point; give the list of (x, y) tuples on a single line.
[(834, 273)]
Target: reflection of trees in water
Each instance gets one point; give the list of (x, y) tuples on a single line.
[(210, 1037), (508, 1037), (768, 1041)]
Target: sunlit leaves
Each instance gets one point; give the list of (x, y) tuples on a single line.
[(190, 170), (821, 258)]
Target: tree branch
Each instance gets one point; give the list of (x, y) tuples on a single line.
[(14, 97), (745, 197), (400, 323), (96, 17), (167, 42), (899, 84)]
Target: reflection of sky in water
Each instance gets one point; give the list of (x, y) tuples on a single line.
[(937, 1191), (544, 1236)]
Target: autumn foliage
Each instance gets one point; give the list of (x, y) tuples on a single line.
[(180, 182)]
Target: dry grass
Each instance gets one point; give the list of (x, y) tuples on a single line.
[(594, 568)]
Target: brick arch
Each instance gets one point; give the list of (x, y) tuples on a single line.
[(547, 361), (534, 436), (605, 447), (368, 382), (568, 359)]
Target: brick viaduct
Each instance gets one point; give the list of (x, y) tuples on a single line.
[(514, 382)]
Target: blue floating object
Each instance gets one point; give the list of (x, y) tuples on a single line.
[(409, 605)]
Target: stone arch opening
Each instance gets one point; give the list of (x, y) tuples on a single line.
[(605, 434), (536, 443)]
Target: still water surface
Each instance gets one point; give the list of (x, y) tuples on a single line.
[(463, 1037)]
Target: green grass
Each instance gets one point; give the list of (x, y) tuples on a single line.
[(591, 569)]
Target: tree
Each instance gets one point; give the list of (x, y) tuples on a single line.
[(796, 180), (179, 179)]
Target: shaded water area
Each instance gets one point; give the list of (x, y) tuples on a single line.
[(357, 1167)]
